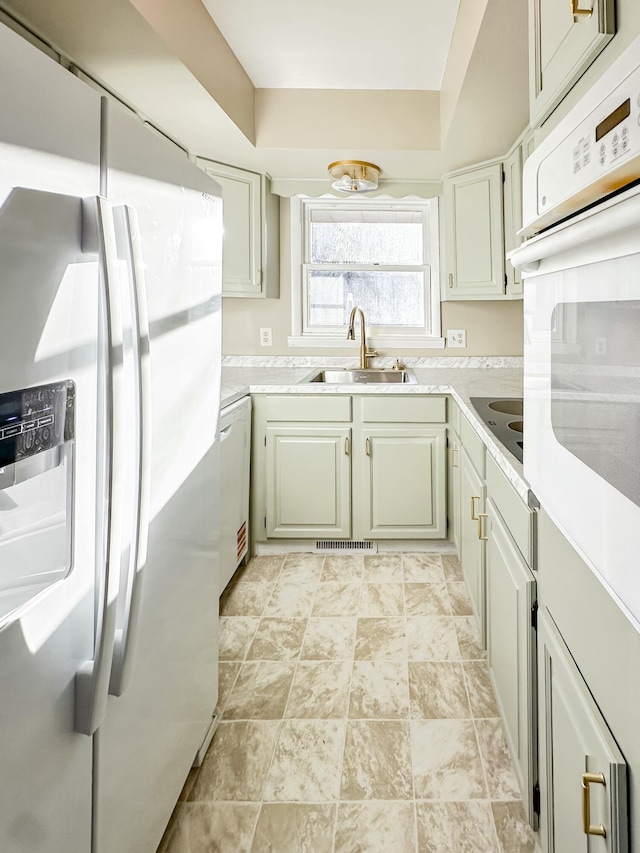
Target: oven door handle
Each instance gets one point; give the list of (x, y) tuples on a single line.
[(619, 216)]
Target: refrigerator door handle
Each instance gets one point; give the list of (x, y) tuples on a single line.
[(128, 231), (92, 678)]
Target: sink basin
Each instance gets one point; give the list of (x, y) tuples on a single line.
[(384, 375)]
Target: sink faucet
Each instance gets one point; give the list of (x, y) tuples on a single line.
[(351, 336)]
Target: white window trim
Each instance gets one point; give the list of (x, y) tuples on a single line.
[(397, 340)]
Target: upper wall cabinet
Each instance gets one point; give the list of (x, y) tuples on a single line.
[(251, 247), (565, 37), (473, 233)]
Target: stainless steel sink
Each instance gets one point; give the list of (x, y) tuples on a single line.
[(370, 375)]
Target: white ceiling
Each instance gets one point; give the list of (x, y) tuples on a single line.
[(339, 44)]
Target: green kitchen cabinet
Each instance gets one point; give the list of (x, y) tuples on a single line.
[(472, 545), (583, 774), (473, 234), (348, 467), (309, 482), (511, 648), (402, 492)]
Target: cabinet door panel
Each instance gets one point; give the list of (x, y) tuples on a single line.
[(473, 234), (308, 482), (472, 549), (405, 483), (574, 740), (562, 47), (511, 593)]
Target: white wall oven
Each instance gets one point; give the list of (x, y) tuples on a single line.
[(582, 327)]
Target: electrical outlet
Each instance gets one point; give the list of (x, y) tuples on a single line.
[(601, 346), (456, 337), (265, 338)]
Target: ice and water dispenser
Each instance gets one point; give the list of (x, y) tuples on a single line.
[(36, 491)]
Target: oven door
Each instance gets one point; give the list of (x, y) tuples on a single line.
[(582, 386)]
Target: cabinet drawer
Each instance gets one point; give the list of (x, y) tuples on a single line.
[(517, 516), (410, 410), (321, 407), (473, 445)]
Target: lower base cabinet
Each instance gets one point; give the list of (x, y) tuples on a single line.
[(348, 467), (511, 650), (472, 545), (583, 774), (308, 481)]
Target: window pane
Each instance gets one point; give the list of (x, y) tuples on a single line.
[(366, 237), (388, 298)]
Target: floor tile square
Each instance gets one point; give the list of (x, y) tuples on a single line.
[(481, 695), (265, 567), (235, 636), (237, 763), (469, 638), (452, 568), (422, 568), (375, 827), (290, 598), (514, 833), (277, 639), (459, 598), (496, 759), (213, 826), (427, 599), (293, 828), (342, 568), (302, 568), (455, 827), (320, 690), (245, 599), (307, 762), (227, 674), (379, 690), (432, 638), (381, 639), (446, 760), (377, 761), (381, 599), (382, 568), (437, 691), (329, 638), (336, 599), (260, 692)]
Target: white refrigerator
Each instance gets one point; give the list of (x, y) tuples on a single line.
[(110, 302)]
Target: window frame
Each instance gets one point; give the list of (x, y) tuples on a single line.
[(429, 336)]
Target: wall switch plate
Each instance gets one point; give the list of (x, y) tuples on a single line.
[(456, 337), (265, 338)]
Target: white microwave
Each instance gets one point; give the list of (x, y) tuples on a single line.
[(582, 330)]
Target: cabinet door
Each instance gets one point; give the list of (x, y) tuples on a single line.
[(453, 488), (474, 246), (242, 262), (512, 197), (574, 741), (403, 492), (511, 649), (562, 46), (472, 547), (308, 482)]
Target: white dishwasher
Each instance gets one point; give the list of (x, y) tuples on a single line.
[(235, 443)]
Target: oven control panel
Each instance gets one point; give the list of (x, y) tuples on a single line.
[(594, 150)]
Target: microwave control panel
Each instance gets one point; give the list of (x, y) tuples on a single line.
[(591, 159), (593, 152)]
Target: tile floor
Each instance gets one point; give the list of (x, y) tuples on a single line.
[(357, 716)]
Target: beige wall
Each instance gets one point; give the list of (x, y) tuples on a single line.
[(493, 328)]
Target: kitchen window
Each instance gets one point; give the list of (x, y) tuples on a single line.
[(379, 254)]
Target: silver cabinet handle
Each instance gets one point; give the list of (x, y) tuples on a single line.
[(454, 459), (450, 279), (347, 446), (367, 446)]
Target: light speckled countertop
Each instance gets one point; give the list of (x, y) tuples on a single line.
[(460, 382)]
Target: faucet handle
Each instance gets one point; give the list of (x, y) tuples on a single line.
[(371, 353)]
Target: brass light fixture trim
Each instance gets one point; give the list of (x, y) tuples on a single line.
[(354, 176)]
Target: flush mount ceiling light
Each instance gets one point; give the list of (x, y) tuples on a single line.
[(354, 176)]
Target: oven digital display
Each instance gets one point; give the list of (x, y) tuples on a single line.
[(619, 114)]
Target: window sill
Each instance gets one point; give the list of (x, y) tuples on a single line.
[(384, 342)]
